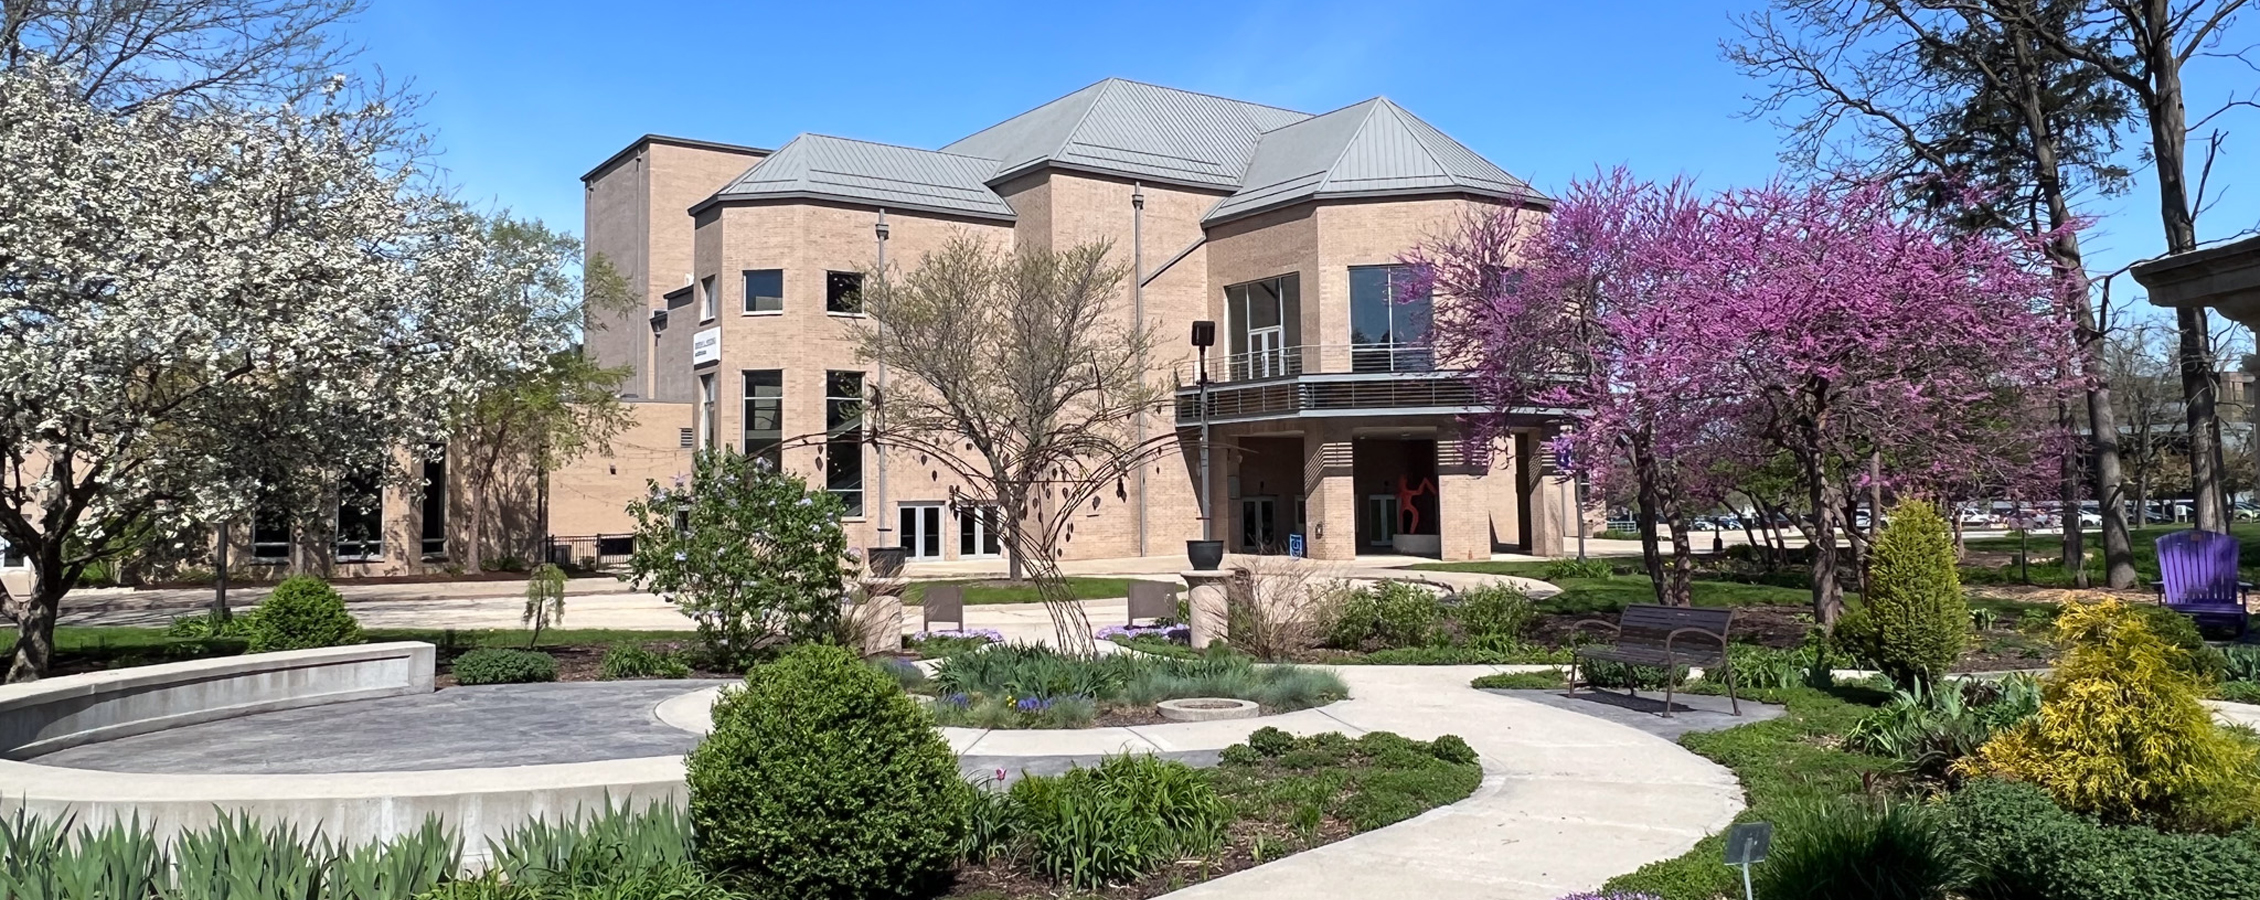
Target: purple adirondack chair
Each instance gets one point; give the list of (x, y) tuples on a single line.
[(2198, 578)]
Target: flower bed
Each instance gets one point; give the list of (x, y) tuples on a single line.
[(1028, 686)]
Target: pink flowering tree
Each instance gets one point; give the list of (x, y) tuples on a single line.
[(1703, 342)]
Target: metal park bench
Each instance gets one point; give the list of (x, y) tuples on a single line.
[(1665, 636)]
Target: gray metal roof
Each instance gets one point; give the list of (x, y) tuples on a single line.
[(1374, 148), (1134, 130), (823, 167)]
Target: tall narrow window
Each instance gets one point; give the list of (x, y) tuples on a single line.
[(706, 403), (1388, 323), (843, 438), (764, 290), (707, 303), (843, 292), (270, 535), (1266, 328), (765, 415), (977, 531), (360, 518), (435, 503)]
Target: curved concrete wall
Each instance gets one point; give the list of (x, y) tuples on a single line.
[(50, 715)]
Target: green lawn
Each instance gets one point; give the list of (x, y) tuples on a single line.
[(1614, 593), (2046, 547), (985, 590)]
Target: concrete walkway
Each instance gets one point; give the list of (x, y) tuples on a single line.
[(1568, 800)]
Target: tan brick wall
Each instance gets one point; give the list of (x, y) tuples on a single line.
[(590, 495), (638, 216)]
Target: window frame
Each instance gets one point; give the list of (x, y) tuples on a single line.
[(709, 306), (843, 438), (745, 282), (773, 449), (832, 300)]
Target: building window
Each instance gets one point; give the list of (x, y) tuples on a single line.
[(1388, 324), (843, 292), (435, 504), (764, 290), (706, 300), (361, 518), (270, 536), (1266, 328), (843, 438), (706, 403), (977, 531), (765, 415)]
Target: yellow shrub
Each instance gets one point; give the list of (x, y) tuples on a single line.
[(2120, 733)]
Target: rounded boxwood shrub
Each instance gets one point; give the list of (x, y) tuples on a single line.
[(1915, 597), (494, 665), (821, 778), (303, 612), (1840, 850)]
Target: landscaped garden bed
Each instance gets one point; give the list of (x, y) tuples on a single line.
[(1030, 686)]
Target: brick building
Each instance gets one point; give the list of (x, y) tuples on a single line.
[(1328, 416)]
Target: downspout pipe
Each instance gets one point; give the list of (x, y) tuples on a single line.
[(1138, 312), (879, 450)]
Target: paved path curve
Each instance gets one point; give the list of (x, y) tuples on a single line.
[(1567, 800)]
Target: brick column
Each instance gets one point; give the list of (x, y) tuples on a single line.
[(1330, 495), (1544, 491), (1463, 500)]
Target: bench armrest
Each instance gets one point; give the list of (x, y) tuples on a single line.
[(1613, 627), (1703, 632)]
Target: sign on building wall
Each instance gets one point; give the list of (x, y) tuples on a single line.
[(706, 346)]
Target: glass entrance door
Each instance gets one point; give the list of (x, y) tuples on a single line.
[(1380, 520), (977, 532), (1265, 356), (921, 530), (1259, 525)]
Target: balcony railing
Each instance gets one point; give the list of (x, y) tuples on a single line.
[(1313, 359)]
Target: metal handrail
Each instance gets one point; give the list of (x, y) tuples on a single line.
[(1315, 359)]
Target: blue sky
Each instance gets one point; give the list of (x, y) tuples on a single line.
[(525, 97)]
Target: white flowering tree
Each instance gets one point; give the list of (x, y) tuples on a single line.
[(202, 308)]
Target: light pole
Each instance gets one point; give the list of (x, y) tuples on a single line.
[(1204, 336)]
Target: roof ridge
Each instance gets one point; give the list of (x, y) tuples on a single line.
[(1208, 95), (834, 137), (1326, 178)]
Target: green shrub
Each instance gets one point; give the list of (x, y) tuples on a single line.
[(2020, 845), (1602, 673), (821, 778), (1495, 615), (1388, 614), (1122, 819), (1577, 568), (1520, 681), (2240, 663), (1452, 748), (208, 626), (1269, 741), (637, 661), (2238, 691), (1854, 635), (1850, 851), (302, 613), (593, 845), (1915, 596), (499, 665), (2120, 733)]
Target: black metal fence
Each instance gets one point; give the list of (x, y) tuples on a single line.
[(589, 551)]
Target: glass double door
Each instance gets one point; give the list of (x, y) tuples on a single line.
[(919, 525)]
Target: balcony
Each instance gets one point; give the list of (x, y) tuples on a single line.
[(1325, 380)]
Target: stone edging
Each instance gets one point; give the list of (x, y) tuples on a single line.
[(60, 712)]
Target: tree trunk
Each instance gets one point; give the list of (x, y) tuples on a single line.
[(1680, 590), (1828, 596), (1651, 555), (35, 626), (2068, 493), (2169, 138)]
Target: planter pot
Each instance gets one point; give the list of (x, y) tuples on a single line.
[(885, 562), (1205, 555)]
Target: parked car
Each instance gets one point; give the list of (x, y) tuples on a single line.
[(1977, 518)]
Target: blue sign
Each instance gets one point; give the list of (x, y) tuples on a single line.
[(1295, 546)]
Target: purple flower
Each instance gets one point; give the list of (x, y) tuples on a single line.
[(959, 700), (1033, 704)]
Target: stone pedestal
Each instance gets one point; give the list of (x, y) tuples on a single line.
[(1208, 597), (875, 616)]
